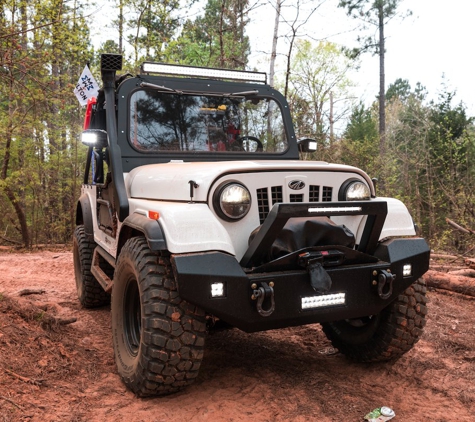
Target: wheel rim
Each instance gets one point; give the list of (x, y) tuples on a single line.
[(132, 317)]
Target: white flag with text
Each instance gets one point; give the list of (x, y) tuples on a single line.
[(86, 87)]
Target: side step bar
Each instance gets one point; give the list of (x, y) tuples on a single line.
[(103, 279)]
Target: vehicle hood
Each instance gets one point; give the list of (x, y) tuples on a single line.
[(171, 181)]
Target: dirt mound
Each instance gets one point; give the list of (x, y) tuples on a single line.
[(56, 364)]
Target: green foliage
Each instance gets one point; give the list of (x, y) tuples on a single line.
[(362, 125), (313, 87), (152, 25), (427, 163), (40, 121), (215, 39), (400, 90)]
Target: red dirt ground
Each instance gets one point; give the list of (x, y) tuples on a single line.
[(52, 372)]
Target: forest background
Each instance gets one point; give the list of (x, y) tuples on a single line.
[(422, 154)]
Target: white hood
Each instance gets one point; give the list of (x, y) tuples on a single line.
[(170, 181)]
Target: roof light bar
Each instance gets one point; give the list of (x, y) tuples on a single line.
[(202, 72)]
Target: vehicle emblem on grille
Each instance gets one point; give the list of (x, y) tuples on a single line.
[(296, 184)]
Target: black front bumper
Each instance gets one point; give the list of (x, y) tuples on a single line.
[(365, 281), (196, 273)]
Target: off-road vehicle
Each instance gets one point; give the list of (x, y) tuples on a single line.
[(196, 212)]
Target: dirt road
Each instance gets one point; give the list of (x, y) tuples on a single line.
[(67, 372)]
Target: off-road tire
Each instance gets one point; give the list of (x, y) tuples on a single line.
[(158, 337), (386, 336), (90, 292)]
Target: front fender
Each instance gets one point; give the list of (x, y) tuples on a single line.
[(187, 227), (136, 224), (84, 215)]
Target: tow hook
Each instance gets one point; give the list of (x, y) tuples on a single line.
[(265, 293), (385, 283)]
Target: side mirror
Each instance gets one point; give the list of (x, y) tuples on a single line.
[(307, 145), (96, 138)]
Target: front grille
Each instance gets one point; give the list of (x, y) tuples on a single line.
[(276, 194), (265, 202), (313, 193), (296, 197), (327, 194)]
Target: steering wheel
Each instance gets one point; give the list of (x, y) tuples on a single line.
[(259, 148)]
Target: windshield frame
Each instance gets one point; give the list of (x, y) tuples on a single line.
[(133, 157)]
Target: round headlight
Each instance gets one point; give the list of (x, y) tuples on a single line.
[(232, 201), (354, 190)]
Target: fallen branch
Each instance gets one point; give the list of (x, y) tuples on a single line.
[(442, 256), (15, 242), (466, 272), (446, 268), (454, 225), (21, 378), (26, 292), (470, 262), (454, 283), (30, 312), (12, 402), (65, 321)]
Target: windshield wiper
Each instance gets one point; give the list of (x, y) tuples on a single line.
[(243, 93), (160, 87)]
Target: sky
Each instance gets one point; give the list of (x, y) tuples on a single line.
[(433, 46)]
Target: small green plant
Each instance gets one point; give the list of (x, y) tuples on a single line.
[(39, 316)]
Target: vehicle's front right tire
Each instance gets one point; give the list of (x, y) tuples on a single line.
[(158, 337)]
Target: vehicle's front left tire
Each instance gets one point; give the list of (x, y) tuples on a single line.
[(387, 335), (158, 337)]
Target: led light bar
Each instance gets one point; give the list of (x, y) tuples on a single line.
[(312, 302), (202, 72), (407, 270), (328, 210), (217, 290)]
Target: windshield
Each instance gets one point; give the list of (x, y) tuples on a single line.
[(170, 122)]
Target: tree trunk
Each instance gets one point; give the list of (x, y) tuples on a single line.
[(273, 55), (454, 283), (382, 91), (221, 34)]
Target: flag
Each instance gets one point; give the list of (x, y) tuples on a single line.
[(86, 87)]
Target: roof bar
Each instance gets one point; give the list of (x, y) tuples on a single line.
[(203, 72)]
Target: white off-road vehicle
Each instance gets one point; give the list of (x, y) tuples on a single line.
[(196, 212)]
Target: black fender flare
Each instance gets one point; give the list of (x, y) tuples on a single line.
[(84, 215), (138, 224)]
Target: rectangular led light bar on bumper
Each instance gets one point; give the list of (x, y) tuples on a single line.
[(312, 302)]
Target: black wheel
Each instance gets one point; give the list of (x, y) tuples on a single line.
[(256, 146), (158, 338), (386, 336), (90, 292)]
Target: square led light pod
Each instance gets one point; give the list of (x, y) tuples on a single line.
[(217, 290)]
